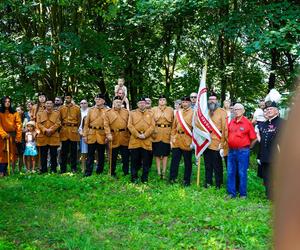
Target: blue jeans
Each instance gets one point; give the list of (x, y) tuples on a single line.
[(238, 160)]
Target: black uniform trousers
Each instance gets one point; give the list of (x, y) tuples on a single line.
[(67, 147), (213, 166), (176, 157), (266, 173), (140, 156), (91, 157), (44, 156), (124, 151)]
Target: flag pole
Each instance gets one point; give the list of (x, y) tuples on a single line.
[(198, 171)]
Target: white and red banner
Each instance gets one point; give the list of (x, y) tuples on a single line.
[(202, 125), (183, 124)]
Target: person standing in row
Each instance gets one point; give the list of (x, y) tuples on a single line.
[(48, 124), (241, 137), (149, 108), (39, 107), (58, 102), (69, 135), (181, 141), (193, 98), (94, 135), (214, 152), (10, 134), (84, 108), (30, 152), (268, 136), (163, 117), (125, 102), (141, 126), (115, 125)]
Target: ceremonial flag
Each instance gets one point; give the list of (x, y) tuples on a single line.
[(201, 120)]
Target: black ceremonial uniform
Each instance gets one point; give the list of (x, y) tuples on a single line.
[(268, 147)]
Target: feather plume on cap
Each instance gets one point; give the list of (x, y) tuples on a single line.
[(273, 96)]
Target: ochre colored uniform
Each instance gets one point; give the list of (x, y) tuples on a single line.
[(219, 119), (94, 133), (163, 117), (35, 110), (212, 158), (9, 124), (179, 139), (48, 120), (69, 135), (140, 122), (181, 145), (70, 121), (115, 125), (94, 126)]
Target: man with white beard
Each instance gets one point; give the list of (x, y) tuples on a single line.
[(218, 133)]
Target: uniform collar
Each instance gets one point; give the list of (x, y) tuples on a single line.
[(273, 118), (69, 105), (162, 108), (185, 110)]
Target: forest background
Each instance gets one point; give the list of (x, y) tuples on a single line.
[(158, 46)]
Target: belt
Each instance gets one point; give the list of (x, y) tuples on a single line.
[(119, 130), (180, 132), (100, 128), (70, 125), (163, 125)]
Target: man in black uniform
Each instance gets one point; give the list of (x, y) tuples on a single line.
[(267, 136)]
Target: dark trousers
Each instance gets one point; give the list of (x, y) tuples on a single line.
[(140, 156), (3, 168), (266, 173), (176, 157), (91, 157), (44, 156), (67, 147), (213, 166), (125, 159), (150, 159)]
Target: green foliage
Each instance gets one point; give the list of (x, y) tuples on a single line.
[(159, 47), (99, 212)]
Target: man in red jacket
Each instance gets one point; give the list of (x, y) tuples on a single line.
[(241, 137)]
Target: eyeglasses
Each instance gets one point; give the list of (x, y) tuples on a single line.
[(193, 96)]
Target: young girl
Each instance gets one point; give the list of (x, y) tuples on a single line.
[(30, 147)]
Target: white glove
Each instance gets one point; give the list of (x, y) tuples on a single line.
[(258, 162), (222, 152)]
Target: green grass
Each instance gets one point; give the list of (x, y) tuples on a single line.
[(99, 212)]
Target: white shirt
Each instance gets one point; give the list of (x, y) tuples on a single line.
[(259, 115)]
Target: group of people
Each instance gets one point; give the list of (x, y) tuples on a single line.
[(52, 132)]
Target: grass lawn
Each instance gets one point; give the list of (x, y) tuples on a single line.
[(100, 212)]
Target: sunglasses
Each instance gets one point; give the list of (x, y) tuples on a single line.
[(193, 96), (83, 103)]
